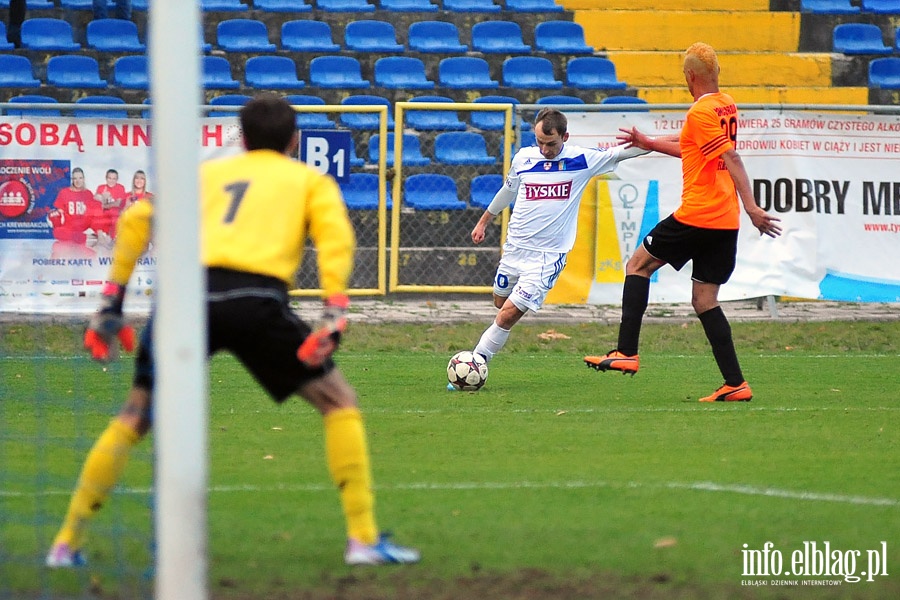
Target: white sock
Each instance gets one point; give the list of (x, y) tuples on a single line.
[(492, 341)]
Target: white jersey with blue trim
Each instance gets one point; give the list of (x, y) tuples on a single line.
[(548, 194)]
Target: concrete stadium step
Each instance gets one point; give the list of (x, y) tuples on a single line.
[(726, 31), (765, 95), (735, 5), (744, 68)]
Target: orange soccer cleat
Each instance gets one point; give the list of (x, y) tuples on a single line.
[(730, 393), (614, 361)]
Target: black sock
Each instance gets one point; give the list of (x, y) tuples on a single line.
[(635, 293), (718, 332)]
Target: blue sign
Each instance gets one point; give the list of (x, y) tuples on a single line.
[(327, 151)]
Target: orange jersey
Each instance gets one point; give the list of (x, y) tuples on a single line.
[(708, 196)]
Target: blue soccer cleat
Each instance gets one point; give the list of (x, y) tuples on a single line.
[(62, 556), (383, 552)]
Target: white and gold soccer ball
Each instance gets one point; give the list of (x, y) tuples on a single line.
[(467, 371)]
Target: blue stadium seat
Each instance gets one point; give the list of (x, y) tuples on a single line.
[(859, 38), (33, 112), (430, 191), (465, 72), (409, 5), (483, 189), (435, 36), (629, 103), (401, 72), (204, 45), (217, 74), (532, 6), (235, 100), (561, 37), (4, 45), (525, 72), (528, 138), (47, 34), (412, 150), (434, 120), (498, 37), (307, 36), (15, 72), (130, 72), (32, 4), (882, 7), (828, 7), (489, 120), (114, 35), (140, 5), (340, 72), (224, 5), (593, 73), (72, 71), (563, 99), (884, 73), (243, 35), (479, 6), (365, 121), (462, 148), (76, 4), (355, 161), (272, 73), (291, 6), (344, 6), (100, 113), (897, 40), (370, 35), (361, 192), (310, 120)]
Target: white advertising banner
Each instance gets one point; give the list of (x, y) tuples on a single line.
[(833, 180)]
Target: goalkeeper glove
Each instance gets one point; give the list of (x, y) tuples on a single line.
[(107, 324), (321, 343)]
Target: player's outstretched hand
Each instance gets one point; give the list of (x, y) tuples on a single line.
[(765, 223), (107, 325), (321, 343)]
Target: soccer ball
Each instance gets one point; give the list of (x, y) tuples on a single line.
[(467, 371)]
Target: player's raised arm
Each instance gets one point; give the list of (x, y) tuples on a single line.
[(633, 138)]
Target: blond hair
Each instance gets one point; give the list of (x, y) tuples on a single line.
[(702, 55)]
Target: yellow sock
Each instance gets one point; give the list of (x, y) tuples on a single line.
[(348, 463), (102, 468)]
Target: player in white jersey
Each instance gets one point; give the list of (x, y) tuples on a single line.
[(546, 181)]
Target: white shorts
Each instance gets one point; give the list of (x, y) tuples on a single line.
[(525, 276)]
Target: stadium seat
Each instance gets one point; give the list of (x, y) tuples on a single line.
[(224, 5), (828, 7), (859, 38), (204, 45), (401, 72), (32, 4), (344, 6), (883, 7), (114, 35), (489, 120), (140, 5), (561, 37), (465, 72), (897, 40), (528, 138), (629, 103), (533, 6), (560, 100), (409, 5), (235, 100), (412, 151), (15, 72), (369, 35), (243, 35), (217, 74), (100, 113), (355, 161), (272, 73), (290, 6), (430, 191), (462, 148), (435, 36), (525, 72), (434, 120), (33, 112), (360, 192), (593, 73), (47, 34), (464, 6), (4, 45), (310, 120), (365, 121), (307, 36), (340, 72), (498, 37), (483, 189), (884, 73), (73, 71), (130, 72)]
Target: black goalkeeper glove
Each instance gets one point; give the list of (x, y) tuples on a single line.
[(321, 343), (107, 324)]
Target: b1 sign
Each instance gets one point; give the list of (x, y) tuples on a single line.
[(327, 151)]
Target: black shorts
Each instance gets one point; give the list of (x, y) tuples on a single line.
[(249, 316), (712, 250)]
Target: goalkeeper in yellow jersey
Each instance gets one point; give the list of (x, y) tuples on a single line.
[(258, 208)]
